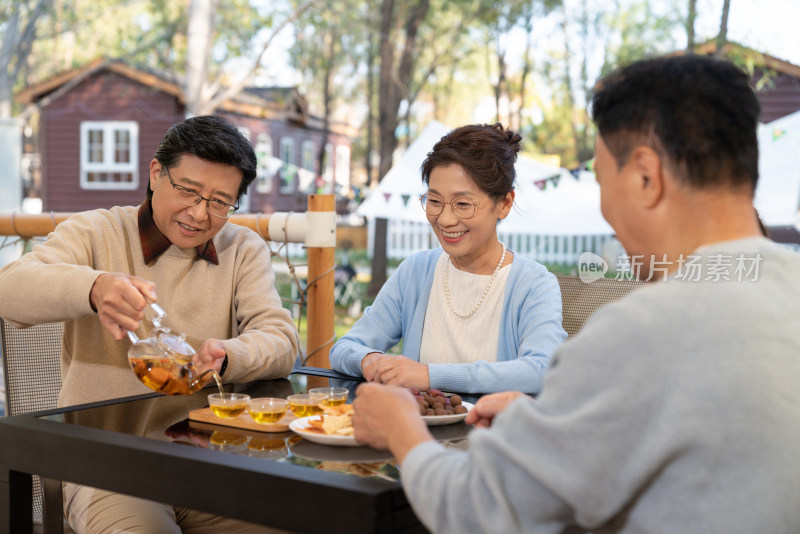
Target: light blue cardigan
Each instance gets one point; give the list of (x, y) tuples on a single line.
[(530, 328)]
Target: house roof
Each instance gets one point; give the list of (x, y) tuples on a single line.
[(759, 59), (262, 102), (41, 94)]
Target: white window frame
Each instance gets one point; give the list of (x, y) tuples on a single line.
[(286, 154), (327, 174), (307, 155), (108, 165), (265, 172), (342, 166)]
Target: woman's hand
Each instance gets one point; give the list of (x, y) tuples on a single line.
[(369, 366), (488, 406), (401, 371)]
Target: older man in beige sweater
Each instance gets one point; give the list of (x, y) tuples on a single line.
[(98, 270)]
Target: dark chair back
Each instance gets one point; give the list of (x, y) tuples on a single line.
[(32, 368), (580, 299)]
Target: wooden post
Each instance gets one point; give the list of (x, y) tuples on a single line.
[(321, 264)]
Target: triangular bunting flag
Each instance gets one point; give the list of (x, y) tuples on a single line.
[(387, 196), (405, 197), (540, 184), (555, 179), (777, 133), (576, 173)]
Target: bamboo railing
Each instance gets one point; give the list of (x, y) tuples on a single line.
[(316, 228)]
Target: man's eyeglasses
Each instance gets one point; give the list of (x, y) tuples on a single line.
[(190, 197), (463, 207)]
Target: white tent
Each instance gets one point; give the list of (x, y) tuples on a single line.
[(571, 207), (396, 196), (778, 190)]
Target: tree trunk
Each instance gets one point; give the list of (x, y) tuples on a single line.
[(372, 180), (387, 89), (9, 45), (15, 47), (527, 65), (583, 150), (198, 48), (378, 257), (501, 78), (690, 26), (393, 83), (326, 117), (722, 38)]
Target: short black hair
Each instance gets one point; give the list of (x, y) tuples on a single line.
[(212, 138), (698, 112), (486, 152)]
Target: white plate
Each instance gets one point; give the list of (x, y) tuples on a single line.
[(301, 425), (436, 420)]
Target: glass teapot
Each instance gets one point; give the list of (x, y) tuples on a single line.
[(163, 361)]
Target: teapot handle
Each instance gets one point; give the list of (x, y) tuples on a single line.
[(160, 314)]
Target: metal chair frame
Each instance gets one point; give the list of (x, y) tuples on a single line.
[(32, 368)]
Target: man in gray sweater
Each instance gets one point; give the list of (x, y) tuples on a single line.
[(676, 409)]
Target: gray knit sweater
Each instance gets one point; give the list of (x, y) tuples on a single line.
[(676, 409)]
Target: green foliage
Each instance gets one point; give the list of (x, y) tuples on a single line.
[(455, 62)]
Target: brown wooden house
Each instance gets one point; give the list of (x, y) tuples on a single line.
[(99, 126)]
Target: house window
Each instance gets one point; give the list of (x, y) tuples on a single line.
[(308, 155), (266, 163), (327, 176), (306, 174), (288, 169), (109, 155), (342, 168)]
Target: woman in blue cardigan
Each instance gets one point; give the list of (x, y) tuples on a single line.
[(474, 317)]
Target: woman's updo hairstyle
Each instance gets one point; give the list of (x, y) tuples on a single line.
[(487, 152)]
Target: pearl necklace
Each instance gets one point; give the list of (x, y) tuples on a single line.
[(485, 291)]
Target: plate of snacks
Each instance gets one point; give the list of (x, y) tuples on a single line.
[(436, 408), (334, 427)]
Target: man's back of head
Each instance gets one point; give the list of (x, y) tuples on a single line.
[(699, 114), (677, 156)]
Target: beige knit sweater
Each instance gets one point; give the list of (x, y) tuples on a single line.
[(234, 301)]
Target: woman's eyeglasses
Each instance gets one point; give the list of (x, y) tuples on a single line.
[(463, 207)]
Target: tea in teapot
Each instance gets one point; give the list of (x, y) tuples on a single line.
[(163, 361)]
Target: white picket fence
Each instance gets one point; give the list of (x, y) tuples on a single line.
[(406, 237)]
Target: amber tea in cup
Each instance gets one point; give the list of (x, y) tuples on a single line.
[(228, 405), (305, 404), (333, 396), (267, 410)]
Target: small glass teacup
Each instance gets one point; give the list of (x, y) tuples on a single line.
[(333, 396), (267, 410), (228, 405), (305, 404)]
